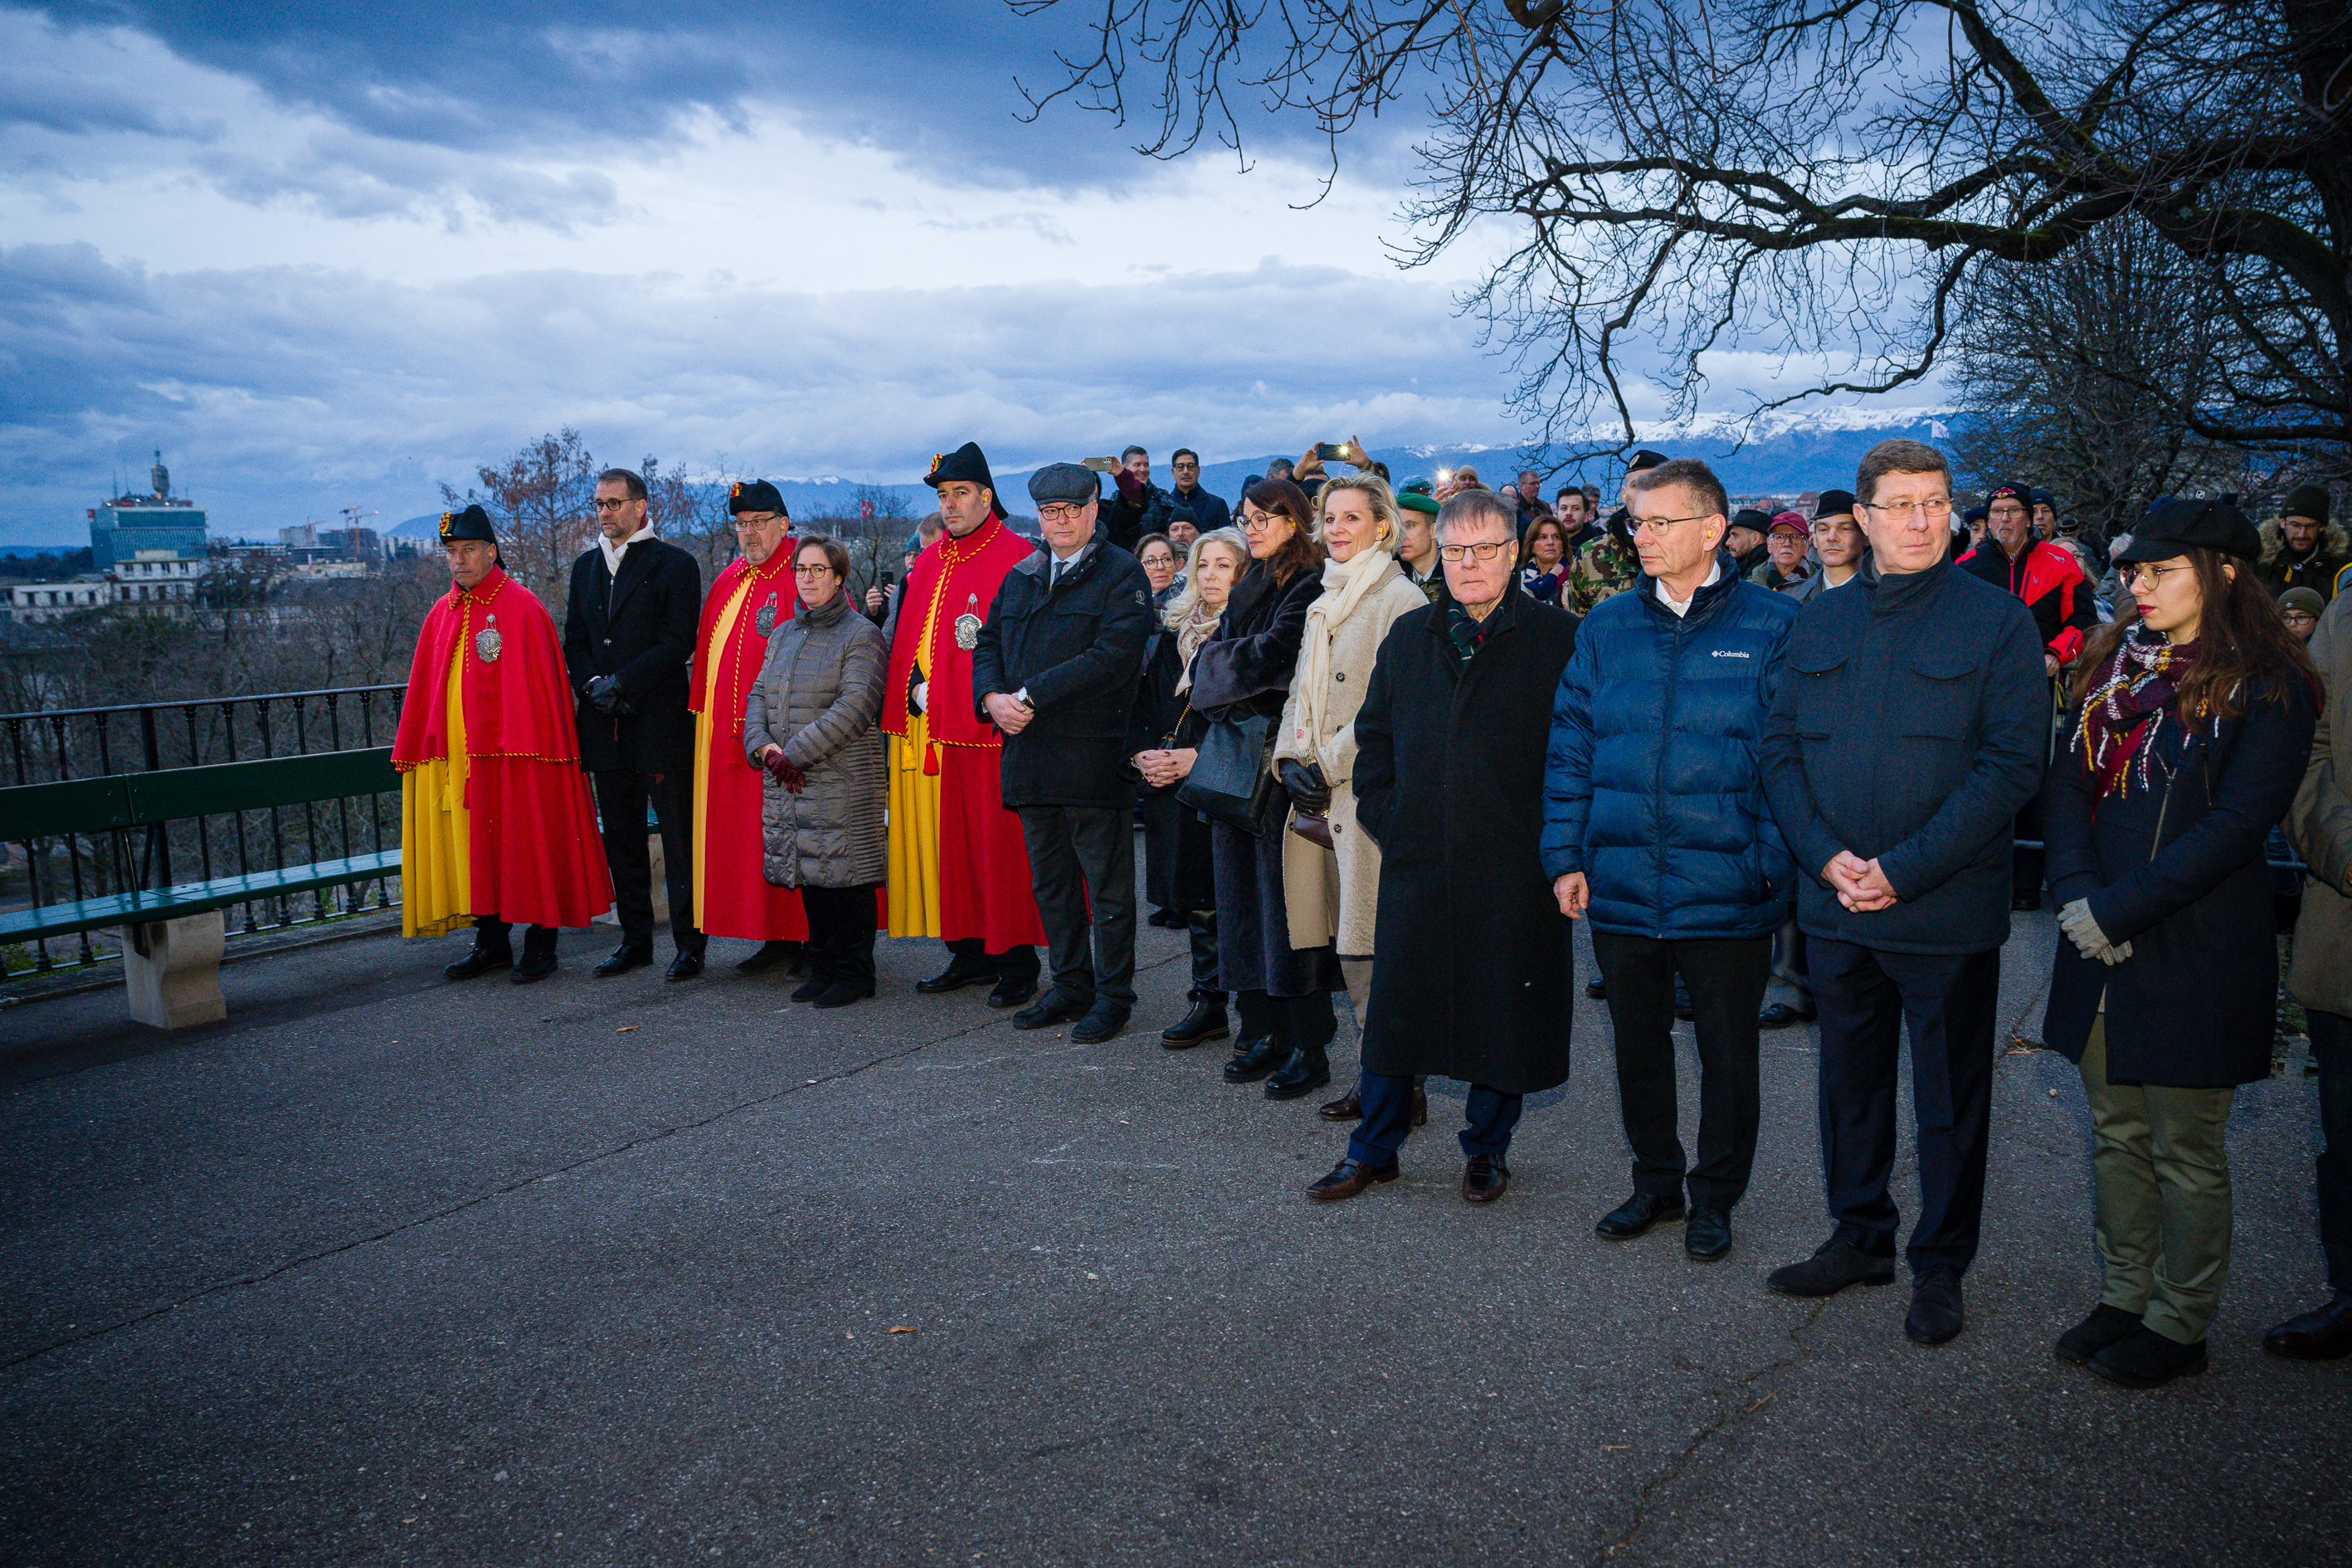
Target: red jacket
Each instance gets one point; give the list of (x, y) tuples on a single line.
[(2050, 582)]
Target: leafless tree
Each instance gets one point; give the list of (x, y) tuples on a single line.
[(538, 500), (1682, 177)]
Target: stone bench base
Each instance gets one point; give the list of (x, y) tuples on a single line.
[(171, 970)]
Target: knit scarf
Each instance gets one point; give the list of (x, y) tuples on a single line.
[(2125, 712), (1190, 633), (1345, 586)]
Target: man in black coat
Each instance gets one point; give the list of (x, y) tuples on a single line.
[(1910, 724), (1471, 963), (1055, 669), (628, 635)]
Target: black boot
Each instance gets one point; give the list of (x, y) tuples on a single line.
[(1204, 1023), (1256, 1057), (493, 949), (538, 955), (1307, 1070)]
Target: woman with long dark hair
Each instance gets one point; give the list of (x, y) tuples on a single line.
[(1284, 994), (1543, 559), (2190, 726)]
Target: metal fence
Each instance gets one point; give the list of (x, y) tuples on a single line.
[(91, 743)]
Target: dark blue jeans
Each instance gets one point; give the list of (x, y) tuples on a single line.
[(1947, 1002), (1489, 1117), (2331, 1048)]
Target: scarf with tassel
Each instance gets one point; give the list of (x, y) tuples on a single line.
[(2126, 710)]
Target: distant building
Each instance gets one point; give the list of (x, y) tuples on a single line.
[(158, 576), (124, 527), (38, 601)]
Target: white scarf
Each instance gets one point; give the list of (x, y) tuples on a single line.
[(1346, 584), (612, 553)]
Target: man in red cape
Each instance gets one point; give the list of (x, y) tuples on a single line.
[(749, 600), (496, 824), (959, 865)]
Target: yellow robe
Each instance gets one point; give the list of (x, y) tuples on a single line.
[(435, 836)]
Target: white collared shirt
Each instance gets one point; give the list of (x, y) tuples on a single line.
[(1681, 606)]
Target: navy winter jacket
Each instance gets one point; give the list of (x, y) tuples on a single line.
[(1654, 788)]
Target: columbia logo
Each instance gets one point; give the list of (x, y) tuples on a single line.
[(1726, 653)]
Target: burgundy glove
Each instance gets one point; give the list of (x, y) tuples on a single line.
[(1129, 485), (780, 769)]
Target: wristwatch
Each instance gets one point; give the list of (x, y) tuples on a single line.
[(1021, 697)]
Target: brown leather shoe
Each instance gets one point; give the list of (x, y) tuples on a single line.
[(2324, 1333), (1348, 1107), (1349, 1177), (1485, 1179)]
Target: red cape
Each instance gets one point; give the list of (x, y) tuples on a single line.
[(533, 850), (731, 897), (952, 578)]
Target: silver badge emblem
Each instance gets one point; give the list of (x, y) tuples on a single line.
[(766, 619), (967, 630), (486, 642)]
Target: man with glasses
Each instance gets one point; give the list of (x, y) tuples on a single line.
[(749, 600), (1655, 734), (627, 636), (959, 867), (2049, 581), (1055, 672), (1209, 512), (1472, 961), (1910, 724)]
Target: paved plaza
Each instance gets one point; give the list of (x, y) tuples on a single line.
[(388, 1270)]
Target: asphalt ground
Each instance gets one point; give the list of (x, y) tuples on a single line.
[(389, 1270)]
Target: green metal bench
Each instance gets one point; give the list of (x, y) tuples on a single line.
[(172, 935)]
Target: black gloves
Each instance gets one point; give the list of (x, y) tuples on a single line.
[(604, 695), (1304, 784)]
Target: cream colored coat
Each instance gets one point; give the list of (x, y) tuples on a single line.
[(2320, 823), (1333, 894)]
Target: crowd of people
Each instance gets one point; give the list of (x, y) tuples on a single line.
[(1393, 739)]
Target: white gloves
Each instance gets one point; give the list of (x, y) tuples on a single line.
[(2083, 930), (922, 697)]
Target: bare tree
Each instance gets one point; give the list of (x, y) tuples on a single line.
[(539, 501), (1689, 176)]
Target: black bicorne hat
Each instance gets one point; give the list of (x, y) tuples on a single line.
[(471, 523), (755, 495), (967, 462)]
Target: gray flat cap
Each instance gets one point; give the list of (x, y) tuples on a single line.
[(1063, 482)]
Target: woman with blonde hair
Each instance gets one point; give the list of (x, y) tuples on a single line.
[(1332, 888)]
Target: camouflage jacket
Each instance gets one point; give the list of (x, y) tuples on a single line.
[(1607, 565)]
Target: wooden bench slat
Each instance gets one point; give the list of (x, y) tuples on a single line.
[(174, 794), (192, 898), (69, 806)]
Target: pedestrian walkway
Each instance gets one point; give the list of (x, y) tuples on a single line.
[(388, 1270)]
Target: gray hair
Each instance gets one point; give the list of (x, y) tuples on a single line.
[(1468, 509), (1181, 607)]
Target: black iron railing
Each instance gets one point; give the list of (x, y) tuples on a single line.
[(93, 742)]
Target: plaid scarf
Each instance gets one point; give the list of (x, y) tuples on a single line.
[(2125, 712), (1466, 635)]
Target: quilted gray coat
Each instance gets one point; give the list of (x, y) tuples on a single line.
[(818, 695)]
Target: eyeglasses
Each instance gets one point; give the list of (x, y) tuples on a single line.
[(746, 521), (1660, 524), (1905, 511), (1261, 523), (817, 570), (2154, 576), (2297, 617), (1061, 513), (604, 503), (1475, 552)]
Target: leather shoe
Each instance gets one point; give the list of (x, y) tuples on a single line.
[(1707, 1237), (1348, 1107), (1204, 1023), (481, 961), (841, 993), (772, 954), (2145, 1359), (2324, 1333), (1637, 1215), (624, 958), (533, 966), (1597, 989), (1348, 1178), (1012, 992), (1050, 1009), (808, 990), (1167, 920), (1485, 1179), (1936, 1313), (1100, 1024), (685, 966), (1780, 1016), (1835, 1265), (955, 976), (1307, 1070), (2095, 1334), (1255, 1058)]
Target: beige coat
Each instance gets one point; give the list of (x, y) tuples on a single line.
[(1333, 894), (2319, 826)]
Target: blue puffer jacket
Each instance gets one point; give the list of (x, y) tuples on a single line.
[(1653, 788)]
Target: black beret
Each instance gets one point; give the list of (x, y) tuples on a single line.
[(1834, 504), (471, 523), (754, 495), (2306, 501), (1644, 461), (2176, 526)]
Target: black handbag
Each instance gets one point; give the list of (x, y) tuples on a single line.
[(1232, 779)]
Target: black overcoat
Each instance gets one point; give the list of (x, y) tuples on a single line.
[(638, 627), (2177, 870), (1077, 646), (1473, 969), (1177, 870)]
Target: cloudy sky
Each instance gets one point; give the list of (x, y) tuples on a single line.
[(334, 253)]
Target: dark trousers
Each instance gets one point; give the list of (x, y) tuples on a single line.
[(1082, 860), (841, 933), (1488, 1117), (491, 932), (2025, 865), (621, 801), (1303, 1020), (2331, 1049), (1204, 924), (1947, 1002), (1726, 980)]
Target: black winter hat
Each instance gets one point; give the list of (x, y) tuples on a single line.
[(2306, 501), (755, 495), (1749, 517), (2176, 526), (471, 523), (2017, 493), (967, 462), (1833, 503)]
